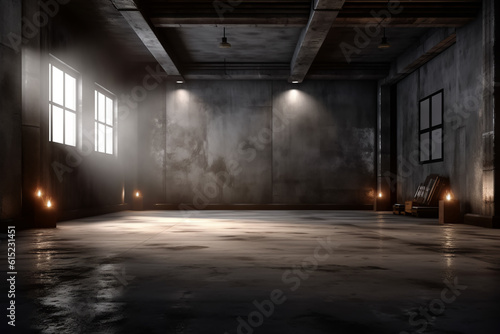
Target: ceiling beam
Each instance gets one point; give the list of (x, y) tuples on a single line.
[(404, 22), (129, 10), (430, 46), (177, 22), (323, 13)]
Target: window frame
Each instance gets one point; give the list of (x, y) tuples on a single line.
[(54, 62), (430, 129), (108, 94)]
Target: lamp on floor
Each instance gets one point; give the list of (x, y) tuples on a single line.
[(381, 202), (45, 211), (137, 201), (449, 210)]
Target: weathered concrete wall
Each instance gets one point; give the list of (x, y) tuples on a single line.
[(79, 178), (458, 71), (10, 112), (263, 142), (324, 142), (75, 178), (210, 156)]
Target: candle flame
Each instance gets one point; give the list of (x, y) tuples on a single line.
[(448, 197), (49, 203), (39, 193), (137, 194), (380, 195)]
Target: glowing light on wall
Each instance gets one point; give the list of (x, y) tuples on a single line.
[(137, 194), (380, 195), (39, 193), (448, 197), (49, 204)]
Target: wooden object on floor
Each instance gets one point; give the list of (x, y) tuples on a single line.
[(425, 202), (449, 211), (137, 203), (398, 209), (45, 217)]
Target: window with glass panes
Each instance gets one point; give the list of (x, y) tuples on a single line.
[(62, 105), (104, 122), (431, 128)]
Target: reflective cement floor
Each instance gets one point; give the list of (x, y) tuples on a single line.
[(229, 272)]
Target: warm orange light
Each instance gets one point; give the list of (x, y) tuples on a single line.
[(49, 204), (39, 193), (380, 195), (137, 194), (448, 197)]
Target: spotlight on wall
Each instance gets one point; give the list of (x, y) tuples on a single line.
[(224, 44), (384, 44)]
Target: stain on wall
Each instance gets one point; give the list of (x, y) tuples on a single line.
[(264, 142)]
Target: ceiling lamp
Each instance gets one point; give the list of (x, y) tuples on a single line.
[(224, 44), (384, 44)]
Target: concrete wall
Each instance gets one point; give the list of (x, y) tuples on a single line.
[(458, 71), (78, 180), (260, 142), (10, 112)]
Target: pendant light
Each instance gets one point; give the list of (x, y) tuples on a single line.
[(384, 44), (224, 44)]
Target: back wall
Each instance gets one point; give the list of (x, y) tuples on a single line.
[(259, 142)]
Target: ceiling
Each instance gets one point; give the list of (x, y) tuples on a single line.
[(292, 39)]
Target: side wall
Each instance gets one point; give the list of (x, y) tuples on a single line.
[(10, 112), (259, 142), (458, 71), (78, 180)]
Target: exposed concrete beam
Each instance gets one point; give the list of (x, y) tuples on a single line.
[(404, 22), (124, 4), (320, 21), (430, 46), (273, 71), (176, 22), (344, 22), (139, 24)]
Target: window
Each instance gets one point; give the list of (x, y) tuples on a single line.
[(62, 104), (104, 121), (431, 128)]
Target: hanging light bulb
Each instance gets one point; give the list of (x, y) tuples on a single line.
[(384, 44), (224, 44)]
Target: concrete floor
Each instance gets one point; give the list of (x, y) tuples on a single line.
[(257, 272)]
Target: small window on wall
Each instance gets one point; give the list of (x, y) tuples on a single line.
[(104, 121), (62, 104), (431, 128)]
